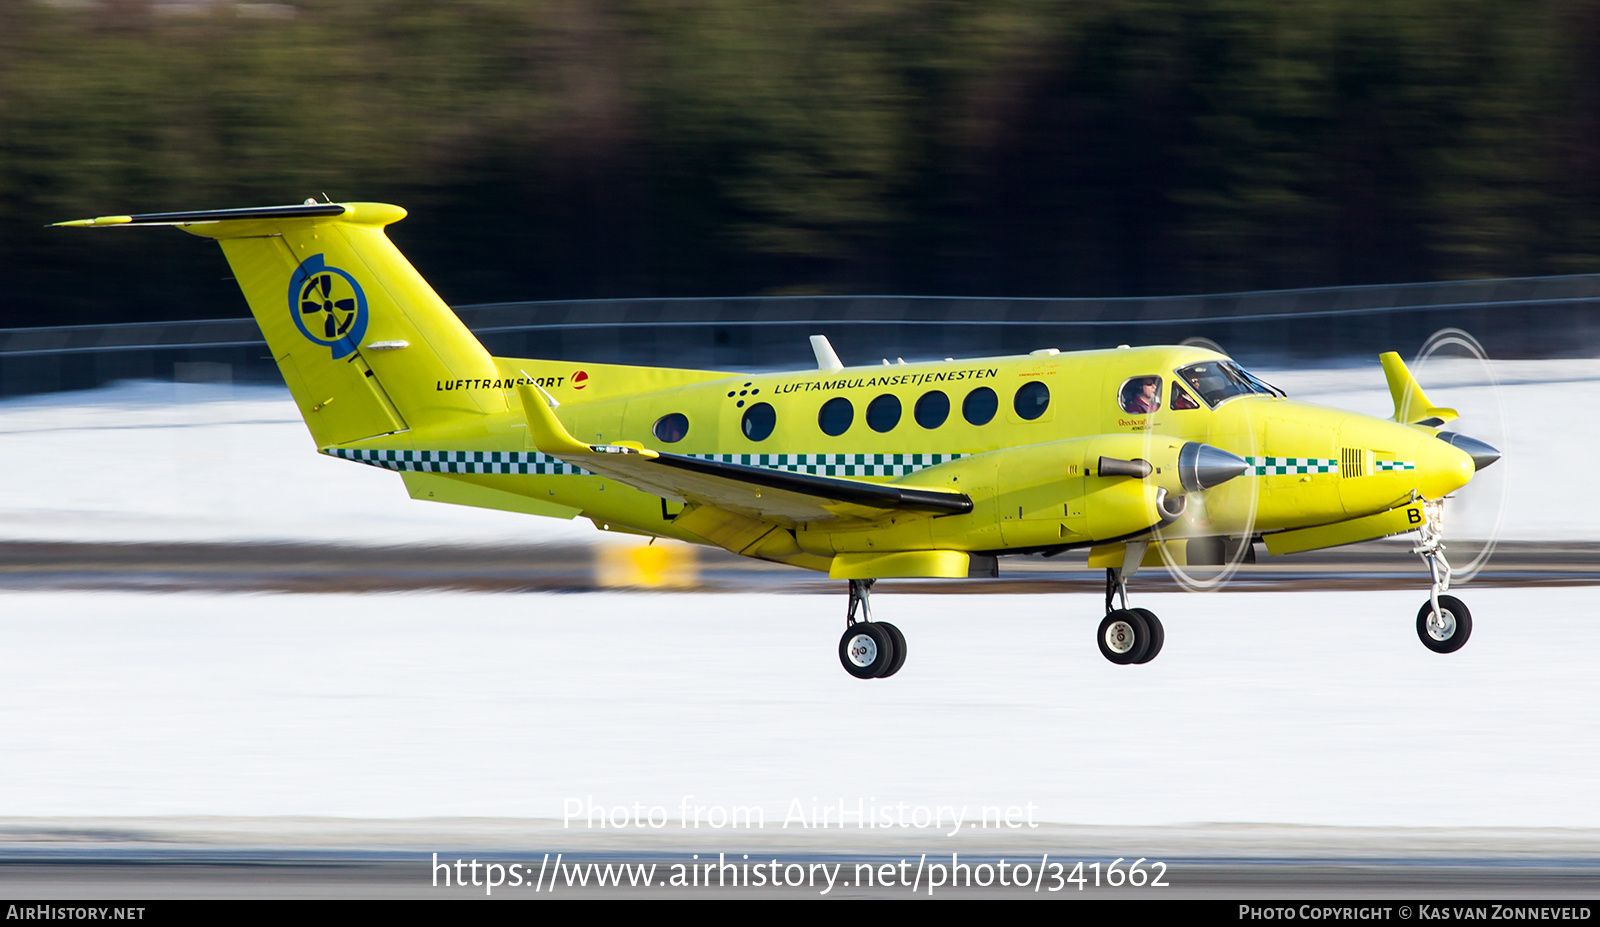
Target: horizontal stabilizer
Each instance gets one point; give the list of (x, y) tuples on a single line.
[(306, 211)]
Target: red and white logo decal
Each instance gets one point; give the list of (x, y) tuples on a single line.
[(580, 380)]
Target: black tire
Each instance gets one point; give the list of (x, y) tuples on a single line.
[(1458, 623), (853, 648), (1158, 634), (1124, 637), (899, 641)]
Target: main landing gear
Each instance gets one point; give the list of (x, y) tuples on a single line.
[(1443, 624), (1128, 635), (869, 649)]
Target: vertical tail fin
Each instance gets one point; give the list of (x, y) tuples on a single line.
[(365, 345)]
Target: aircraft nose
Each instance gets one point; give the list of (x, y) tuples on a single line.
[(1482, 454), (1201, 466)]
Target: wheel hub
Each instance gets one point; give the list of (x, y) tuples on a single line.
[(863, 650), (1442, 625), (1120, 637)]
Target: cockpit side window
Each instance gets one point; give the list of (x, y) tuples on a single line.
[(1181, 399), (1140, 395)]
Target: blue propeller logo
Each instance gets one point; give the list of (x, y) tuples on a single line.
[(328, 306)]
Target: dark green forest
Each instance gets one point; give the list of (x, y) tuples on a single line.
[(611, 148)]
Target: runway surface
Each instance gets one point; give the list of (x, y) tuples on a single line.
[(134, 859), (259, 567)]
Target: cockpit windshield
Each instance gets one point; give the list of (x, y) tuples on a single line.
[(1219, 381)]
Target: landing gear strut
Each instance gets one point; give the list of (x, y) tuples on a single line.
[(869, 649), (1128, 635), (1443, 624)]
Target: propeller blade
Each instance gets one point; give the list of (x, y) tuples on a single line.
[(345, 305), (327, 285), (307, 307), (329, 327), (1482, 454)]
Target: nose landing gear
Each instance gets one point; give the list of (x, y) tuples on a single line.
[(1443, 624)]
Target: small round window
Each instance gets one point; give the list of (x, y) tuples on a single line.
[(836, 416), (932, 409), (670, 429), (980, 405), (759, 421), (1031, 400), (883, 413)]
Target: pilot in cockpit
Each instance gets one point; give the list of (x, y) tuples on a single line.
[(1142, 395)]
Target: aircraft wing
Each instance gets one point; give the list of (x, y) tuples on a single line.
[(760, 492)]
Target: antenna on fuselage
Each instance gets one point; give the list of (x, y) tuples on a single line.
[(535, 384), (826, 358)]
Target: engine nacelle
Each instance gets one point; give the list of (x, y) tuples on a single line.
[(1079, 490)]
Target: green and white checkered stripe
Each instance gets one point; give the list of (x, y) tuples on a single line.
[(1381, 465), (461, 461), (1284, 466), (837, 464), (543, 464)]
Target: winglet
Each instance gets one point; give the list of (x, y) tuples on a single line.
[(1411, 405), (549, 436)]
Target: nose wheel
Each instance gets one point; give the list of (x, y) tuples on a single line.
[(1445, 629), (869, 649)]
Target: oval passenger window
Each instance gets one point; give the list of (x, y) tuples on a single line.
[(980, 405), (836, 416), (932, 409), (671, 428), (883, 413), (758, 422), (1031, 400)]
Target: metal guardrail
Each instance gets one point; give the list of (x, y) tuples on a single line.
[(1526, 317)]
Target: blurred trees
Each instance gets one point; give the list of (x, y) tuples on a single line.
[(714, 147)]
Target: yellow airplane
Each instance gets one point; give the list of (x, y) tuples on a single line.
[(1147, 456)]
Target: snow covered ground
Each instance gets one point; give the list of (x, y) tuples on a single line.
[(1308, 708), (169, 461)]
